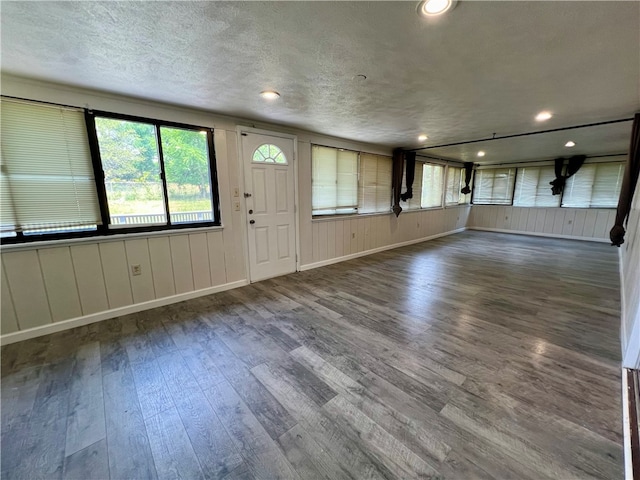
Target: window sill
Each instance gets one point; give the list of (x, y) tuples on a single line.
[(326, 218), (104, 238)]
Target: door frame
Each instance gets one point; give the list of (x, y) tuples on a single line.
[(240, 129)]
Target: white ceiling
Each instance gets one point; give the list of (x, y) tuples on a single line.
[(484, 68)]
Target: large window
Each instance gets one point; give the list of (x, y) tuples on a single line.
[(154, 172), (432, 184), (596, 185), (66, 172), (46, 174), (374, 189), (533, 188), (334, 180), (455, 183), (494, 186)]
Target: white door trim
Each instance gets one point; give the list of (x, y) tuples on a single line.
[(240, 129)]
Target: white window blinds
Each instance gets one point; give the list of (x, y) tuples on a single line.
[(596, 185), (374, 190), (334, 180), (415, 202), (455, 183), (494, 186), (533, 187), (432, 184), (47, 176)]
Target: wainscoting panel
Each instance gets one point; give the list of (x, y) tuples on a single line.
[(56, 284), (579, 223)]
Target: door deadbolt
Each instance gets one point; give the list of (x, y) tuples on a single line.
[(247, 195), (252, 222), (250, 212)]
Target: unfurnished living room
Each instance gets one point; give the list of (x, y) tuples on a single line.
[(320, 240)]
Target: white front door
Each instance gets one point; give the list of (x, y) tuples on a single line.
[(269, 202)]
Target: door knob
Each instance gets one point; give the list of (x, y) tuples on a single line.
[(252, 222), (247, 195)]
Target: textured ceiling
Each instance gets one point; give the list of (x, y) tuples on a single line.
[(486, 67)]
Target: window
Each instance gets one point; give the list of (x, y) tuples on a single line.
[(596, 185), (268, 153), (415, 202), (334, 180), (66, 172), (155, 174), (46, 172), (533, 187), (455, 183), (432, 180), (374, 189), (494, 186)]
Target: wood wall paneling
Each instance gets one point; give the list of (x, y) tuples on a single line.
[(161, 267), (27, 288), (89, 278), (200, 260), (215, 243), (116, 274), (181, 262), (7, 312), (141, 285), (60, 281)]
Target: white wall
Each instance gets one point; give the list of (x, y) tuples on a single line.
[(630, 276), (576, 223)]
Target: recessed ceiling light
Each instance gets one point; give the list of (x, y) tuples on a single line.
[(481, 153), (269, 94), (430, 8), (422, 137), (570, 144), (542, 116)]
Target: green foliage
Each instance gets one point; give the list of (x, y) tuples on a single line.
[(129, 152)]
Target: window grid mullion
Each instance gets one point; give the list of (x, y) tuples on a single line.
[(163, 175)]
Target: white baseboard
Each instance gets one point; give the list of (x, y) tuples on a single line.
[(344, 258), (539, 234), (114, 312)]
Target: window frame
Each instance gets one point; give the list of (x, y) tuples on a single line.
[(99, 176)]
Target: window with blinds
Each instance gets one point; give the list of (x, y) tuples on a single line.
[(455, 183), (46, 172), (374, 186), (334, 179), (596, 185), (415, 202), (494, 186), (432, 185), (533, 187)]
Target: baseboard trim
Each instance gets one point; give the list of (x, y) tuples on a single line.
[(344, 258), (539, 234), (114, 312)]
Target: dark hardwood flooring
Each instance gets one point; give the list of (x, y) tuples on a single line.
[(474, 356)]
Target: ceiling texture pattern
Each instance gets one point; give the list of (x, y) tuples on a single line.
[(483, 68)]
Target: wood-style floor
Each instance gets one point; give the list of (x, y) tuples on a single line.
[(478, 355)]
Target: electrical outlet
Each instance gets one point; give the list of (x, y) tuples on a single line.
[(236, 206), (236, 192), (353, 235), (136, 270), (569, 222)]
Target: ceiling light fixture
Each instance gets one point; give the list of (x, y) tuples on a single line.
[(431, 8), (570, 144), (422, 137), (269, 94), (543, 116), (481, 153)]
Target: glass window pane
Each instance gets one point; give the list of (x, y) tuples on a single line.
[(129, 153), (186, 165)]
